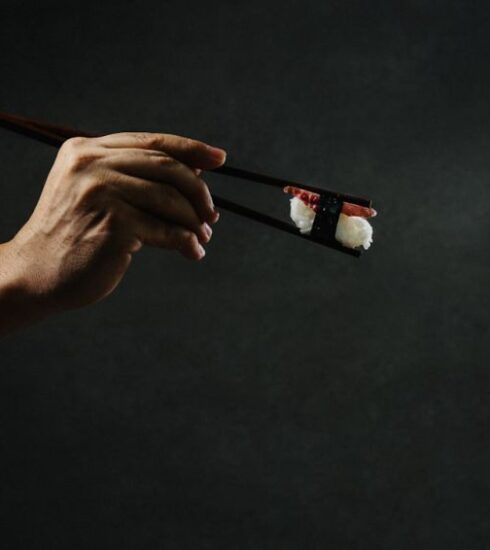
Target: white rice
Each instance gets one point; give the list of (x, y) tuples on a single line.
[(352, 231)]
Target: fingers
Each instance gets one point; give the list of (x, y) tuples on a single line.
[(194, 153), (163, 201), (155, 232), (159, 167)]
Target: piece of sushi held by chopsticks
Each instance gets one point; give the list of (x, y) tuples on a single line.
[(325, 216)]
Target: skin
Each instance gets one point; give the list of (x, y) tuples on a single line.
[(103, 200)]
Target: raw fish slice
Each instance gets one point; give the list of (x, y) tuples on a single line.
[(311, 199)]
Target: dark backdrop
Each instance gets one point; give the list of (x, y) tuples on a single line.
[(277, 395)]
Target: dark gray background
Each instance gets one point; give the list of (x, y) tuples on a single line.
[(277, 395)]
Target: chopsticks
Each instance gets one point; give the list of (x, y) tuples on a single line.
[(276, 182), (55, 135)]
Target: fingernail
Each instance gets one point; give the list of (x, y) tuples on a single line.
[(202, 252), (208, 230), (217, 153)]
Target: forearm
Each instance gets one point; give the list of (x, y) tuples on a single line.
[(19, 306)]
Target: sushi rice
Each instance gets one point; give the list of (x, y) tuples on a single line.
[(352, 231)]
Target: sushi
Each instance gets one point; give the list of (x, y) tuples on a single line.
[(352, 228)]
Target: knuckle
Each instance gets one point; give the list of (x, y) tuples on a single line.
[(186, 239), (74, 143), (164, 160), (177, 237), (82, 161), (77, 156), (190, 144), (149, 140), (94, 188)]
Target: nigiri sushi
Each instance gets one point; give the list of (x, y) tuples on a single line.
[(352, 230)]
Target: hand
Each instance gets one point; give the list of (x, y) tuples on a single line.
[(103, 200)]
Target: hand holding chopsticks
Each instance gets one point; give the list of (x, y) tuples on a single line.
[(107, 196), (56, 135), (104, 199)]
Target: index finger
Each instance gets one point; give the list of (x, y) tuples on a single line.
[(194, 153)]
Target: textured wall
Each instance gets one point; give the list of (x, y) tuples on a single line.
[(277, 395)]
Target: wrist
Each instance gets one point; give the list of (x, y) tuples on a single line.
[(20, 304)]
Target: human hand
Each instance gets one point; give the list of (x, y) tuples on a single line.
[(103, 200)]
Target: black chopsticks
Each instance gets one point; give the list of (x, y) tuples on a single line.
[(55, 135), (276, 182)]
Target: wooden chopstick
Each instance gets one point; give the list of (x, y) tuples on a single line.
[(44, 127), (57, 135), (67, 133), (30, 130), (276, 182), (279, 224)]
